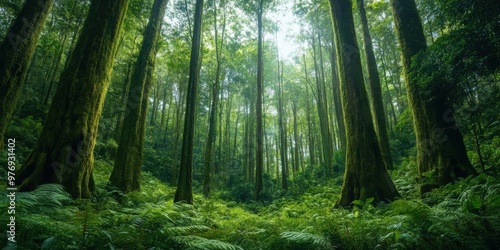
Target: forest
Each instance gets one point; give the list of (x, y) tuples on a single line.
[(250, 124)]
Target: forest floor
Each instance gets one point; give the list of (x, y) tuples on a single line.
[(462, 215)]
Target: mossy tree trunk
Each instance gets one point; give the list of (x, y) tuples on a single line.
[(16, 51), (259, 167), (184, 191), (377, 104), (366, 174), (64, 151), (127, 168), (440, 146)]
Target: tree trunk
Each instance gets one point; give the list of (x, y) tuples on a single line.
[(184, 191), (128, 162), (312, 157), (282, 131), (366, 174), (213, 110), (295, 138), (260, 134), (123, 102), (440, 146), (339, 113), (326, 138), (16, 52), (377, 104), (64, 152)]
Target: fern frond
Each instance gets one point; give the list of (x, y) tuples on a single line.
[(305, 238), (200, 243), (183, 230)]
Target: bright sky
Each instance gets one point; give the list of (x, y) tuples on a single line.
[(289, 28)]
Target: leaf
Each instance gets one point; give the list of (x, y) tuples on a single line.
[(369, 200), (358, 203), (49, 243), (307, 238), (397, 235)]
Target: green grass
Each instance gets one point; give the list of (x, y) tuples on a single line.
[(462, 215)]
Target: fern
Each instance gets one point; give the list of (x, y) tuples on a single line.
[(184, 230), (306, 238), (200, 243)]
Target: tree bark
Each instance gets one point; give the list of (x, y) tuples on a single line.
[(16, 52), (64, 152), (376, 100), (128, 162), (440, 146), (366, 174), (184, 191)]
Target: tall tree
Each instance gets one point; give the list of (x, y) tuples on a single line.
[(260, 134), (215, 99), (366, 174), (326, 136), (184, 191), (376, 100), (440, 145), (64, 151), (16, 51), (282, 130), (126, 173)]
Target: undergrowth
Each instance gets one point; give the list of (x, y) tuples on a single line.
[(461, 215)]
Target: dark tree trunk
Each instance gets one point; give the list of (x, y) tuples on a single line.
[(377, 104), (260, 134), (440, 146), (64, 152), (184, 191), (128, 162), (366, 174), (16, 51)]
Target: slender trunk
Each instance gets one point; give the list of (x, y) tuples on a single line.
[(55, 71), (295, 137), (123, 101), (260, 92), (312, 157), (282, 132), (339, 113), (213, 110), (163, 105), (377, 104), (126, 172), (184, 191), (322, 113)]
